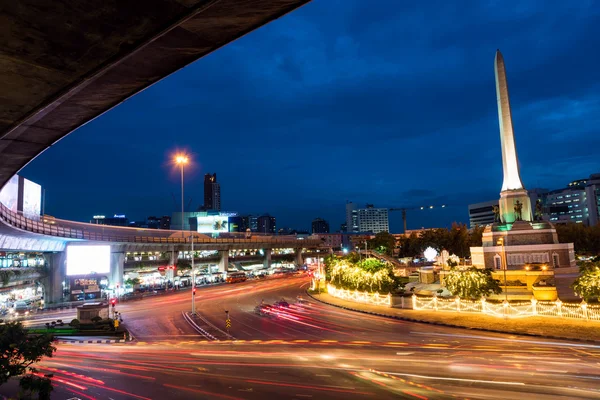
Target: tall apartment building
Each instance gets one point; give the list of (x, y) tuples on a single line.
[(319, 225), (212, 193), (351, 217), (373, 219), (578, 202), (266, 224)]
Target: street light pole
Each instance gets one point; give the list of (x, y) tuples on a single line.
[(505, 267), (193, 280), (182, 201)]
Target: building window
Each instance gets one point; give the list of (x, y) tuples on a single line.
[(497, 262), (555, 261)]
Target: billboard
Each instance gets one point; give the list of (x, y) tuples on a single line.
[(85, 260), (32, 199), (213, 224), (10, 193)]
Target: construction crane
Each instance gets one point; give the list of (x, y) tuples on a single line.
[(404, 209)]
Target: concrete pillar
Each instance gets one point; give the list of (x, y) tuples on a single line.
[(57, 274), (117, 266), (299, 259), (174, 255), (267, 261), (224, 261)]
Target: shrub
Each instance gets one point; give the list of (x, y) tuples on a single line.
[(75, 323), (472, 283)]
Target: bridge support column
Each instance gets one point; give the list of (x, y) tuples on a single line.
[(174, 255), (299, 259), (224, 261), (267, 261), (57, 274), (117, 266)]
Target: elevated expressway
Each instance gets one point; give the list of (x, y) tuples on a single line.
[(23, 234), (64, 63)]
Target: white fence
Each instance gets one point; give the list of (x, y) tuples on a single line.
[(360, 297), (557, 308)]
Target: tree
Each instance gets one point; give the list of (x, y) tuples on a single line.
[(472, 283), (587, 284), (19, 352), (383, 242)]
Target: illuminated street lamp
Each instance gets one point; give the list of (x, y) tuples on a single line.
[(181, 160)]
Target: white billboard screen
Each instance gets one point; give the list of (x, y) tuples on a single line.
[(10, 193), (213, 223), (84, 260), (32, 199)]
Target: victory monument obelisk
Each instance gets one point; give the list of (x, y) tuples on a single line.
[(517, 248), (515, 204)]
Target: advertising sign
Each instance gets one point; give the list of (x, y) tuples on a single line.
[(213, 224), (84, 289), (32, 199), (86, 260), (10, 193)]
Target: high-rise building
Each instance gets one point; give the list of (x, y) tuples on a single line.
[(153, 222), (578, 202), (592, 191), (373, 219), (319, 225), (266, 224), (253, 222), (239, 223), (351, 217), (212, 193), (165, 222)]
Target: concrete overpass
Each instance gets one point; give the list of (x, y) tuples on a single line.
[(23, 234), (64, 63)]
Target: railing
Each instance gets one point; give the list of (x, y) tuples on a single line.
[(532, 308), (133, 235), (360, 297)]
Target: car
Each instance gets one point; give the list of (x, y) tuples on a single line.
[(282, 304), (263, 309)]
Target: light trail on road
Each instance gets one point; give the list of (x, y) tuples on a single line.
[(312, 350)]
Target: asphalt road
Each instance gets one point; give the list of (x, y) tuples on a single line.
[(311, 351)]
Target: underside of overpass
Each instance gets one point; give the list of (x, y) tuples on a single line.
[(65, 62)]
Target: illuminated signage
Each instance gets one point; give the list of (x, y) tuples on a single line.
[(213, 224), (119, 216), (99, 217), (84, 260)]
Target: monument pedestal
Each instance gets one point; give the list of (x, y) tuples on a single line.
[(508, 199)]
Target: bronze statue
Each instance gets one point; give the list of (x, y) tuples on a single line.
[(518, 210), (496, 211)]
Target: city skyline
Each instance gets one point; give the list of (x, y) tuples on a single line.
[(417, 107)]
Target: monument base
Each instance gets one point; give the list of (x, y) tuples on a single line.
[(508, 199), (530, 253)]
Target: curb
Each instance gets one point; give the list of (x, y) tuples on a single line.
[(453, 325), (97, 341)]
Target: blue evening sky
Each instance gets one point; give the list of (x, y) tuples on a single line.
[(384, 102)]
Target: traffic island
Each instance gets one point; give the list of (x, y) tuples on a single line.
[(588, 331)]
